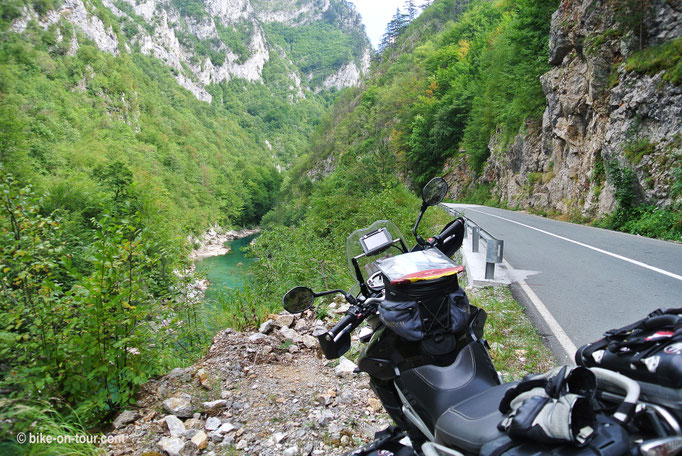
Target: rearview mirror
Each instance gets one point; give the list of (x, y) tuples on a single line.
[(298, 299), (434, 191)]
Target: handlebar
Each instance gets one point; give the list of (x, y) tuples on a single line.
[(450, 239), (631, 388), (354, 316)]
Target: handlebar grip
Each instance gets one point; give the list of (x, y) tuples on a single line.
[(341, 325), (450, 239)]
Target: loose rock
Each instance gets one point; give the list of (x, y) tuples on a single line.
[(200, 440), (212, 424), (125, 417), (284, 321), (214, 407), (174, 426), (180, 405), (267, 326), (345, 367), (171, 445)]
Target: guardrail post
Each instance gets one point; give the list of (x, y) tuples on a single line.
[(493, 254), (475, 236)]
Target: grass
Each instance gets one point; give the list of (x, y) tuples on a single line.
[(663, 57), (516, 347), (637, 148), (41, 418)]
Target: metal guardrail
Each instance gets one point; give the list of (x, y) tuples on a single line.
[(494, 247)]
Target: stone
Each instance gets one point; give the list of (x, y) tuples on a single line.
[(203, 378), (255, 337), (345, 367), (194, 423), (291, 451), (374, 404), (228, 440), (214, 407), (319, 330), (174, 425), (242, 444), (300, 325), (225, 428), (179, 373), (290, 334), (279, 437), (225, 394), (171, 445), (190, 449), (189, 433), (200, 439), (309, 341), (215, 436), (267, 326), (212, 424), (342, 309), (126, 417), (284, 321), (325, 417), (180, 405)]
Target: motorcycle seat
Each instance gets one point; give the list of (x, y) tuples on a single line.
[(471, 423)]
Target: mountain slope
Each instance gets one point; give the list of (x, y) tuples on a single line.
[(88, 84), (565, 108), (108, 162)]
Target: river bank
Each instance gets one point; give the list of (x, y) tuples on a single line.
[(210, 244), (212, 241)]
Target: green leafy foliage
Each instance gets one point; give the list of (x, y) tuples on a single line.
[(65, 122), (633, 216), (90, 335), (318, 47), (454, 77), (637, 148)]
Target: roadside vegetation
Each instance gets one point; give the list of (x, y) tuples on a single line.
[(106, 165), (516, 346)]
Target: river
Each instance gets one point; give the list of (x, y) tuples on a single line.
[(226, 271)]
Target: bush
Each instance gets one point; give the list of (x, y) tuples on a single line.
[(87, 337)]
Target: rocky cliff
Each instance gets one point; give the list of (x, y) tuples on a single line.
[(605, 113), (206, 42)]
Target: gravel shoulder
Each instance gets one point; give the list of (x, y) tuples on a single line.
[(254, 394)]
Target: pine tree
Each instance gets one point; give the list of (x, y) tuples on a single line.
[(411, 9), (393, 29)]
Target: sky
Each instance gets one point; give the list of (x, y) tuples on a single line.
[(376, 14)]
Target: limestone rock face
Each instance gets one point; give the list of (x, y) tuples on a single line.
[(162, 29), (598, 116)]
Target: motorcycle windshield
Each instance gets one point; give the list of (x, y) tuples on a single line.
[(367, 262)]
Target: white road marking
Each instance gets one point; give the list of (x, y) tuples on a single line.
[(596, 249), (554, 326)]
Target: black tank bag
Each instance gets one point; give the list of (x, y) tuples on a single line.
[(649, 350), (429, 311)]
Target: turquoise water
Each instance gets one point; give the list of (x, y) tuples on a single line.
[(226, 271)]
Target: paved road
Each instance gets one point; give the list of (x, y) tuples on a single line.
[(588, 278)]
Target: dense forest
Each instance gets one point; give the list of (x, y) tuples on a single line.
[(107, 164)]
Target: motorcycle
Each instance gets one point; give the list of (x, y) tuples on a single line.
[(429, 364)]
